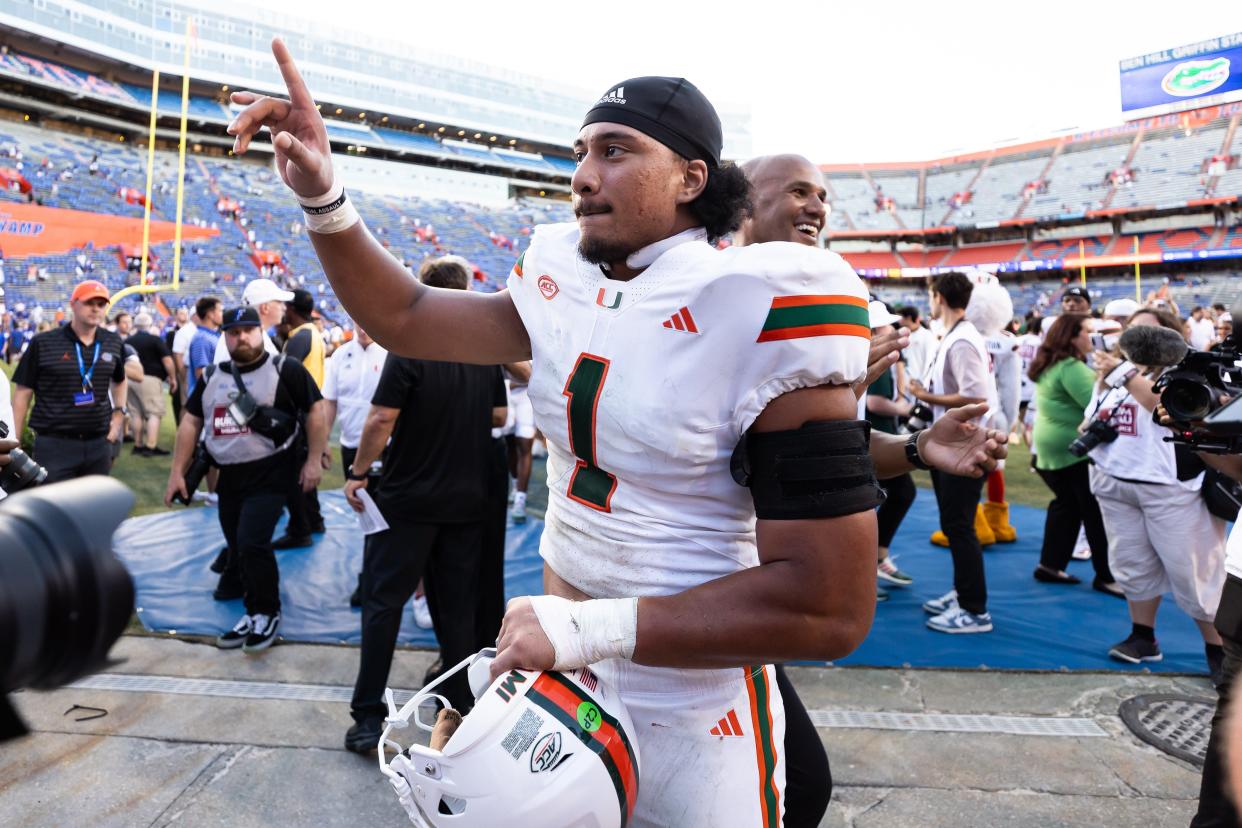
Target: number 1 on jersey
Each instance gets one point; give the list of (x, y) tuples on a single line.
[(589, 484)]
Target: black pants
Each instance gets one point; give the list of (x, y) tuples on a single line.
[(392, 564), (1215, 808), (248, 520), (892, 511), (808, 779), (491, 592), (347, 458), (67, 458), (1073, 506), (304, 514), (176, 405), (958, 499)]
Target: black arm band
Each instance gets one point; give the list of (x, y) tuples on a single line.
[(822, 469)]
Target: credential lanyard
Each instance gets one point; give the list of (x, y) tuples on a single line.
[(86, 373)]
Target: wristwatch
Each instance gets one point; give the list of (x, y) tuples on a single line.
[(912, 452), (351, 475), (121, 409)]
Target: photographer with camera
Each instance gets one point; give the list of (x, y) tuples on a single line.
[(1161, 535), (254, 406), (1063, 390)]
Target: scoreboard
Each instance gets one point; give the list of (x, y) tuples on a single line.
[(1187, 77)]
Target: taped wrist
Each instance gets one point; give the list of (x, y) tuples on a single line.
[(331, 212), (586, 632), (822, 469)]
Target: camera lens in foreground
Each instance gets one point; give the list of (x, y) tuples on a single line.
[(64, 597), (1187, 400)]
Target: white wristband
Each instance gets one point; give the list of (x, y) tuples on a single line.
[(331, 212), (585, 632), (1119, 376)]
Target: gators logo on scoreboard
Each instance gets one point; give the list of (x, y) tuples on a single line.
[(1196, 77)]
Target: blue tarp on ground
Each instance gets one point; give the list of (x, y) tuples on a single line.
[(1038, 626), (169, 555)]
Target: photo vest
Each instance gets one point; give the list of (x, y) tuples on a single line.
[(228, 442)]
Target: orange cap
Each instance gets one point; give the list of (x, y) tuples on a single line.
[(88, 290)]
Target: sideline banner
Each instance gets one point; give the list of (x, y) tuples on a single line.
[(31, 230)]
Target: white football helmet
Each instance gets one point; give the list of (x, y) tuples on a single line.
[(539, 748)]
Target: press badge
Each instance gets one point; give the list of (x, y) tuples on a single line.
[(84, 398)]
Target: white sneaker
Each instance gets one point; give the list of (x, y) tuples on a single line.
[(211, 499), (201, 497), (958, 620), (1082, 553), (943, 604), (519, 508), (422, 613)]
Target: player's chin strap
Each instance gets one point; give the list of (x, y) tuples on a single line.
[(400, 719)]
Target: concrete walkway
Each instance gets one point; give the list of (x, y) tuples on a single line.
[(161, 758)]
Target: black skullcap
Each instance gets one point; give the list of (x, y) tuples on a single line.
[(671, 110)]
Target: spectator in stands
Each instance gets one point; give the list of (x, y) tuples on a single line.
[(257, 463), (146, 399), (350, 379), (433, 494), (1161, 536), (1063, 389), (305, 345), (922, 342), (884, 408), (958, 375), (1201, 329), (64, 371), (269, 299), (203, 347), (1076, 299)]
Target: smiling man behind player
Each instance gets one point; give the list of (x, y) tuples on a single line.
[(658, 361)]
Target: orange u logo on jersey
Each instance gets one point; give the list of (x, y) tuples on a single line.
[(599, 299)]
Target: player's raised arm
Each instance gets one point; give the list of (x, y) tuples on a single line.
[(400, 313)]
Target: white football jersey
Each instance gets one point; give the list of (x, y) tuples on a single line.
[(644, 388)]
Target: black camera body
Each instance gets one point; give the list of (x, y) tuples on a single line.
[(1096, 433), (21, 471), (65, 598), (200, 464), (1192, 391)]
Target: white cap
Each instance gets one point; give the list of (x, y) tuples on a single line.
[(265, 290), (1122, 308), (880, 314)]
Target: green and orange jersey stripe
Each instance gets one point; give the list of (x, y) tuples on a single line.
[(561, 698), (517, 266), (796, 317), (759, 691)]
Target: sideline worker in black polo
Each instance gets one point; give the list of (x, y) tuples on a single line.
[(434, 496), (76, 375), (146, 398), (251, 437)]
